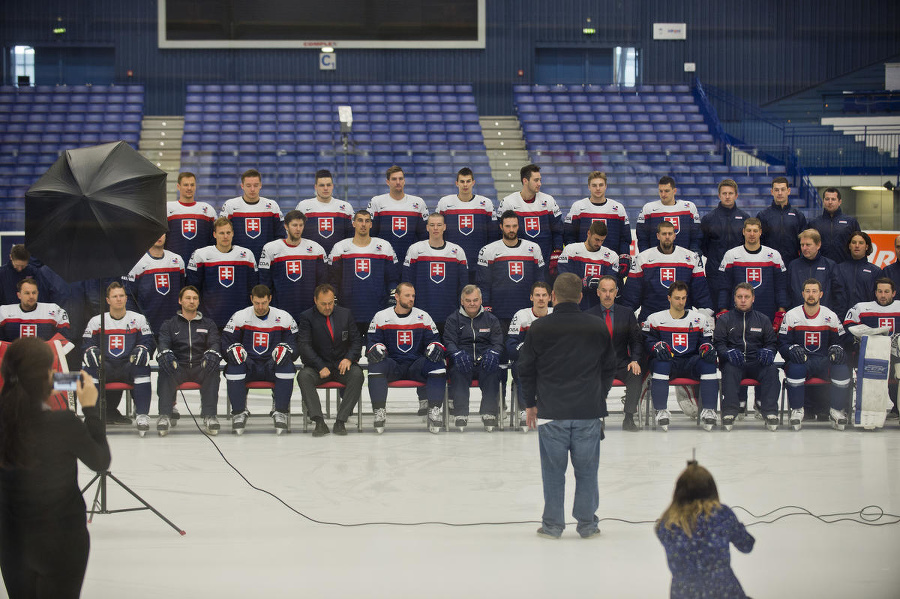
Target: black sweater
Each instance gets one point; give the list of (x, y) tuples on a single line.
[(46, 495), (567, 364)]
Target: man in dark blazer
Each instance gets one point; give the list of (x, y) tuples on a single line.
[(564, 356), (627, 343), (330, 347)]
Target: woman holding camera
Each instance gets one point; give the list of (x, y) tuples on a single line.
[(44, 542)]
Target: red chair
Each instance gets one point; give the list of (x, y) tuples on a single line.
[(408, 384), (127, 388), (810, 382), (676, 382), (328, 387), (261, 385)]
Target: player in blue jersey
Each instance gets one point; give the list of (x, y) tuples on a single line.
[(397, 217), (260, 344), (125, 347), (507, 269), (293, 267), (470, 219), (681, 213), (590, 260), (758, 265), (257, 220), (403, 343), (438, 270), (597, 207), (154, 283), (654, 270), (224, 273), (679, 343), (190, 221), (364, 271), (328, 219), (540, 219)]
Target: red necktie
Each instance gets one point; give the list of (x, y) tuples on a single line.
[(330, 330), (609, 323)]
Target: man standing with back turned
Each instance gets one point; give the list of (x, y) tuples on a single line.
[(564, 356)]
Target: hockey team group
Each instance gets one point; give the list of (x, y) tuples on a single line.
[(442, 301)]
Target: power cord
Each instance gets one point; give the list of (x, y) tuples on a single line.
[(864, 516)]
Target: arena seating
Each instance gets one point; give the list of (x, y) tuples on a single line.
[(287, 132), (636, 135), (37, 123)]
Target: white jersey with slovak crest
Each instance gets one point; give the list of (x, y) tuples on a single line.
[(875, 315)]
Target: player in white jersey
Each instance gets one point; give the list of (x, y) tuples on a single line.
[(518, 328), (328, 219), (470, 219), (30, 318), (190, 222), (598, 207)]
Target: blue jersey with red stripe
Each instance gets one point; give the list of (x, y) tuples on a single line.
[(577, 259), (121, 335), (584, 212), (653, 272), (763, 269), (815, 333), (153, 286), (260, 334), (363, 275), (470, 225), (224, 280), (406, 336), (540, 220), (292, 273), (190, 227), (327, 222), (439, 275), (682, 215), (400, 222), (505, 275), (256, 224)]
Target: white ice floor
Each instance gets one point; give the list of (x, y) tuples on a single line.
[(242, 543)]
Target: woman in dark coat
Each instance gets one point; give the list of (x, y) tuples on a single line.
[(44, 541)]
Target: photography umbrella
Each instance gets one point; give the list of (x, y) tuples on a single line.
[(92, 215), (95, 212)]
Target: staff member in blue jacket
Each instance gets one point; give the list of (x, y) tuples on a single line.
[(474, 341)]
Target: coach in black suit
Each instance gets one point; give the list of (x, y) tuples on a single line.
[(626, 341), (330, 347)]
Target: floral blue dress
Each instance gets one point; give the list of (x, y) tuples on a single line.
[(701, 564)]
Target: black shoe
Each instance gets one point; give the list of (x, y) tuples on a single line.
[(116, 417), (339, 428), (321, 428), (809, 416), (628, 424)]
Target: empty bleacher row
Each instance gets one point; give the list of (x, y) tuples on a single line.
[(289, 131), (38, 123), (635, 134)]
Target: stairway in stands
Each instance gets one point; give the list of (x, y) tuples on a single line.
[(506, 153), (160, 142)]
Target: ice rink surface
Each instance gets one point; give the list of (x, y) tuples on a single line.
[(242, 543)]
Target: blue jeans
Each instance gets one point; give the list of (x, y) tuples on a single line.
[(557, 439)]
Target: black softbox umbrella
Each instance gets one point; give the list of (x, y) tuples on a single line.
[(96, 211)]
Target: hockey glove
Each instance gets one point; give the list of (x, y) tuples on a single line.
[(553, 263), (624, 264), (490, 361), (168, 362), (708, 353), (236, 354), (463, 362), (662, 351), (836, 354), (392, 297), (434, 352), (797, 354), (211, 361), (92, 357), (592, 282), (776, 322), (765, 356), (735, 356), (513, 354), (281, 353), (376, 353), (140, 356)]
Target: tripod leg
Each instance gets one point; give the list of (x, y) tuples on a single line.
[(147, 505), (95, 504)]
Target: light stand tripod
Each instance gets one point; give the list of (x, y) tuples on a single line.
[(99, 505)]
